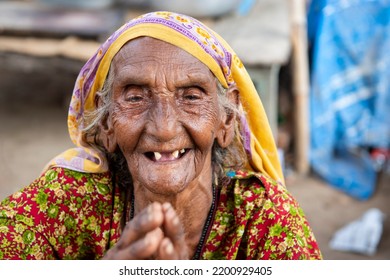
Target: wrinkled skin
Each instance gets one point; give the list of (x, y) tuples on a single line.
[(165, 118)]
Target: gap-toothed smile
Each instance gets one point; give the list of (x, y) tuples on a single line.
[(166, 156)]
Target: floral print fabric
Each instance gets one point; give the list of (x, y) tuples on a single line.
[(66, 214), (257, 218), (62, 215)]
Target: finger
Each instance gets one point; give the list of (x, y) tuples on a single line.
[(166, 250), (147, 220), (141, 249), (174, 232), (172, 226)]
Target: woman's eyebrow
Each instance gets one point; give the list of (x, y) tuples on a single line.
[(195, 79), (133, 77), (139, 78)]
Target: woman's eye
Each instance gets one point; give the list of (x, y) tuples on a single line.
[(192, 94), (134, 94), (191, 97), (134, 98)]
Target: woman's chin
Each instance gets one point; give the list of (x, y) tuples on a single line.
[(167, 184), (167, 189), (165, 178)]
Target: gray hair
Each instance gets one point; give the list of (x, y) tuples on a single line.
[(231, 157)]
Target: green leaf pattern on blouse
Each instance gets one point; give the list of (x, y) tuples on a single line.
[(66, 214)]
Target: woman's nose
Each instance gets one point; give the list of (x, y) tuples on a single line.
[(164, 124)]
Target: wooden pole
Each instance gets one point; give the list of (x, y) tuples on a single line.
[(300, 84)]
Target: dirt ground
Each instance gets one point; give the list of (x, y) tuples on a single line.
[(33, 130)]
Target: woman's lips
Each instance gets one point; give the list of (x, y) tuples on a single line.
[(165, 156)]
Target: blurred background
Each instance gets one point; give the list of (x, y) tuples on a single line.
[(321, 68)]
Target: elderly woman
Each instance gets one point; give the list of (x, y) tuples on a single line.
[(174, 160)]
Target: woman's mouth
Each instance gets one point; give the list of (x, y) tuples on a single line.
[(166, 156)]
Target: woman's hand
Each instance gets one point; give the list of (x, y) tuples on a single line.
[(154, 233), (173, 246)]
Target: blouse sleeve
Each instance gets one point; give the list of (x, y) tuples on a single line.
[(20, 240), (258, 219), (62, 215), (281, 230)]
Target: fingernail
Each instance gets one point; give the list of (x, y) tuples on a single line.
[(169, 248), (175, 221), (166, 206)]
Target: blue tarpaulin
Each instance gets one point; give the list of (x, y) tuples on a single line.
[(350, 90)]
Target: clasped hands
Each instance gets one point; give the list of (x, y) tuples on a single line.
[(154, 233)]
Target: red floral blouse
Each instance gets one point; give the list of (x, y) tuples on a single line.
[(66, 214)]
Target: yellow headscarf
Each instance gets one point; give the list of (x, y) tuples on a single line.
[(204, 44)]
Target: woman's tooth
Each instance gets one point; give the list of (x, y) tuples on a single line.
[(175, 154), (157, 155)]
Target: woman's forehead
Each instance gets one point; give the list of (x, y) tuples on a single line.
[(152, 54), (143, 47)]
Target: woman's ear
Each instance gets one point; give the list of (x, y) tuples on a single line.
[(225, 134), (107, 135)]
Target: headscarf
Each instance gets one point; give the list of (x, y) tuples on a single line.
[(203, 43)]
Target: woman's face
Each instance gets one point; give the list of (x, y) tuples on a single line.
[(165, 115)]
